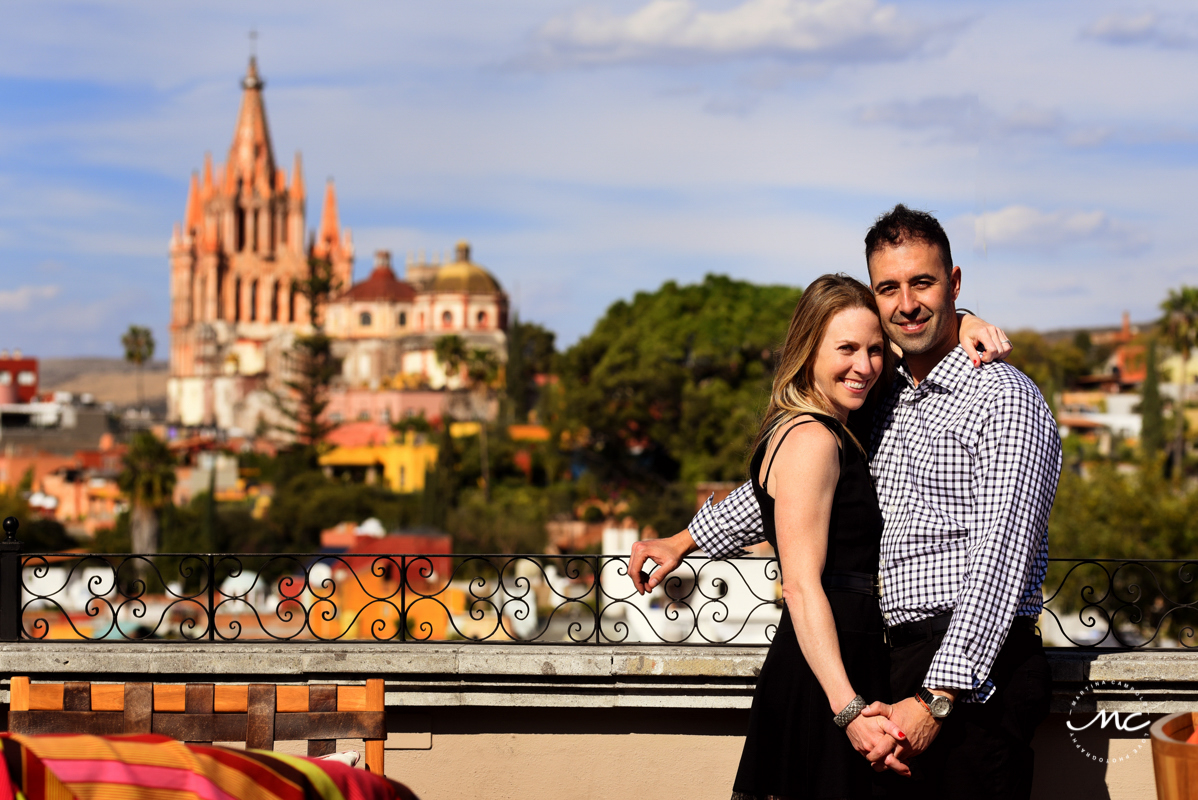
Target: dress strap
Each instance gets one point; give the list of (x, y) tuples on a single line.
[(820, 419)]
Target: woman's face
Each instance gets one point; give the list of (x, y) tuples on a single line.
[(848, 361)]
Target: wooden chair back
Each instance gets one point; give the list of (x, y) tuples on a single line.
[(258, 714)]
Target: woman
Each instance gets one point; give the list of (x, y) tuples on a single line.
[(811, 478)]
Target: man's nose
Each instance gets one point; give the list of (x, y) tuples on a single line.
[(908, 305)]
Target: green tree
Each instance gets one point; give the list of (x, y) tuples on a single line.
[(148, 481), (1179, 325), (36, 534), (473, 401), (530, 353), (450, 352), (139, 348), (1053, 367), (312, 366), (670, 385), (1152, 426)]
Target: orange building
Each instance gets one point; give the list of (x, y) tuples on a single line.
[(236, 260)]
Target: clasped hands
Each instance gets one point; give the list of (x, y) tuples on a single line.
[(888, 735)]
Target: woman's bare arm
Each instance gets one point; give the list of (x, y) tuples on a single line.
[(803, 482)]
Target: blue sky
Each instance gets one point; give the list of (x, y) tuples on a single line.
[(589, 150)]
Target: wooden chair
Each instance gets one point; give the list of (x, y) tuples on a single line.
[(258, 714)]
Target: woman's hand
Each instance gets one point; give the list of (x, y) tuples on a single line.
[(876, 738), (976, 331)]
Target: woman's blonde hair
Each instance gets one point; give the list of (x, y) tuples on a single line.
[(794, 390)]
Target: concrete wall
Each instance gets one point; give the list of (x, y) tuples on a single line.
[(580, 722)]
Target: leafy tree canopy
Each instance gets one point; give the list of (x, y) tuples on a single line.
[(670, 384)]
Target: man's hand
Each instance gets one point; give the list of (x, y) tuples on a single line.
[(976, 331), (913, 719), (667, 554), (876, 738)]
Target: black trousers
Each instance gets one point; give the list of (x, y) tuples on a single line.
[(983, 749)]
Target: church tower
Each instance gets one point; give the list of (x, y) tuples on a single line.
[(236, 260)]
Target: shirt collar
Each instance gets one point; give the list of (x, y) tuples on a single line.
[(948, 376)]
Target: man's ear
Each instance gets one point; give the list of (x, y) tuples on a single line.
[(954, 279)]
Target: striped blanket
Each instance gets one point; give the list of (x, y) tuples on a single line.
[(153, 767)]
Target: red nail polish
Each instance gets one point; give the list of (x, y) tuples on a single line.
[(902, 735)]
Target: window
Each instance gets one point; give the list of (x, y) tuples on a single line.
[(447, 319), (364, 319), (5, 378), (403, 478), (482, 319), (403, 319), (254, 297), (237, 300), (26, 378), (385, 416), (364, 416), (274, 302)]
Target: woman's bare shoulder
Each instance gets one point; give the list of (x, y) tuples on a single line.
[(807, 441)]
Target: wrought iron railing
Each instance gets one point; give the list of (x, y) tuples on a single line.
[(577, 599)]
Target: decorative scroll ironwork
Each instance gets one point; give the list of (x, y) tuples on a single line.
[(576, 599), (1118, 603)]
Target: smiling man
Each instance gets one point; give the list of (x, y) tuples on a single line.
[(966, 463)]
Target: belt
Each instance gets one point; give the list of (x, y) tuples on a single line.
[(924, 629), (856, 582)]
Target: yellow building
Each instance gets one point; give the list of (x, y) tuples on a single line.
[(401, 464)]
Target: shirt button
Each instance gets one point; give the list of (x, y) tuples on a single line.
[(892, 508), (886, 616)]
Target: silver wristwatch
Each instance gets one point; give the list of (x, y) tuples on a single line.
[(850, 712), (937, 705)]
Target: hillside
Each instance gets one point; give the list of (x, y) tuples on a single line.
[(111, 380)]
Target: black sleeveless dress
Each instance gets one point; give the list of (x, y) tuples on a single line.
[(793, 748)]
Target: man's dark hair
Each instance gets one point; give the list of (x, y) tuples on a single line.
[(901, 225)]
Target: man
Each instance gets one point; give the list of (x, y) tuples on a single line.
[(966, 463)]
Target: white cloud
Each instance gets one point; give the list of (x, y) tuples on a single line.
[(963, 117), (1148, 28), (19, 299), (678, 31), (1018, 226)]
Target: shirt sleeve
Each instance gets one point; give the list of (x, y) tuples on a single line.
[(1015, 474), (723, 530)]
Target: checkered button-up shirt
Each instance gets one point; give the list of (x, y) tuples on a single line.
[(966, 465)]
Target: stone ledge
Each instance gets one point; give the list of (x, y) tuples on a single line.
[(567, 676)]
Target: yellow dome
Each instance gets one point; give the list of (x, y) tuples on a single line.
[(464, 276)]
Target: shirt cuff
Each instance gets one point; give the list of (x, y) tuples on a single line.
[(952, 670), (708, 535)]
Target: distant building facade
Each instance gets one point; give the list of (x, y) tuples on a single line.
[(386, 329), (236, 262)]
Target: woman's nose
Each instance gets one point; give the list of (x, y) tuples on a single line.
[(863, 363)]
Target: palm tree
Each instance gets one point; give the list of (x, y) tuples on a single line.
[(1179, 326), (139, 348), (450, 352), (148, 481), (482, 371)]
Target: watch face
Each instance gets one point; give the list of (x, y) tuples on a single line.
[(941, 706)]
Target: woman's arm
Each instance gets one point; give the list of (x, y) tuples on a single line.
[(803, 481)]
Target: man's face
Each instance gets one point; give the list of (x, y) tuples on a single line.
[(916, 299)]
